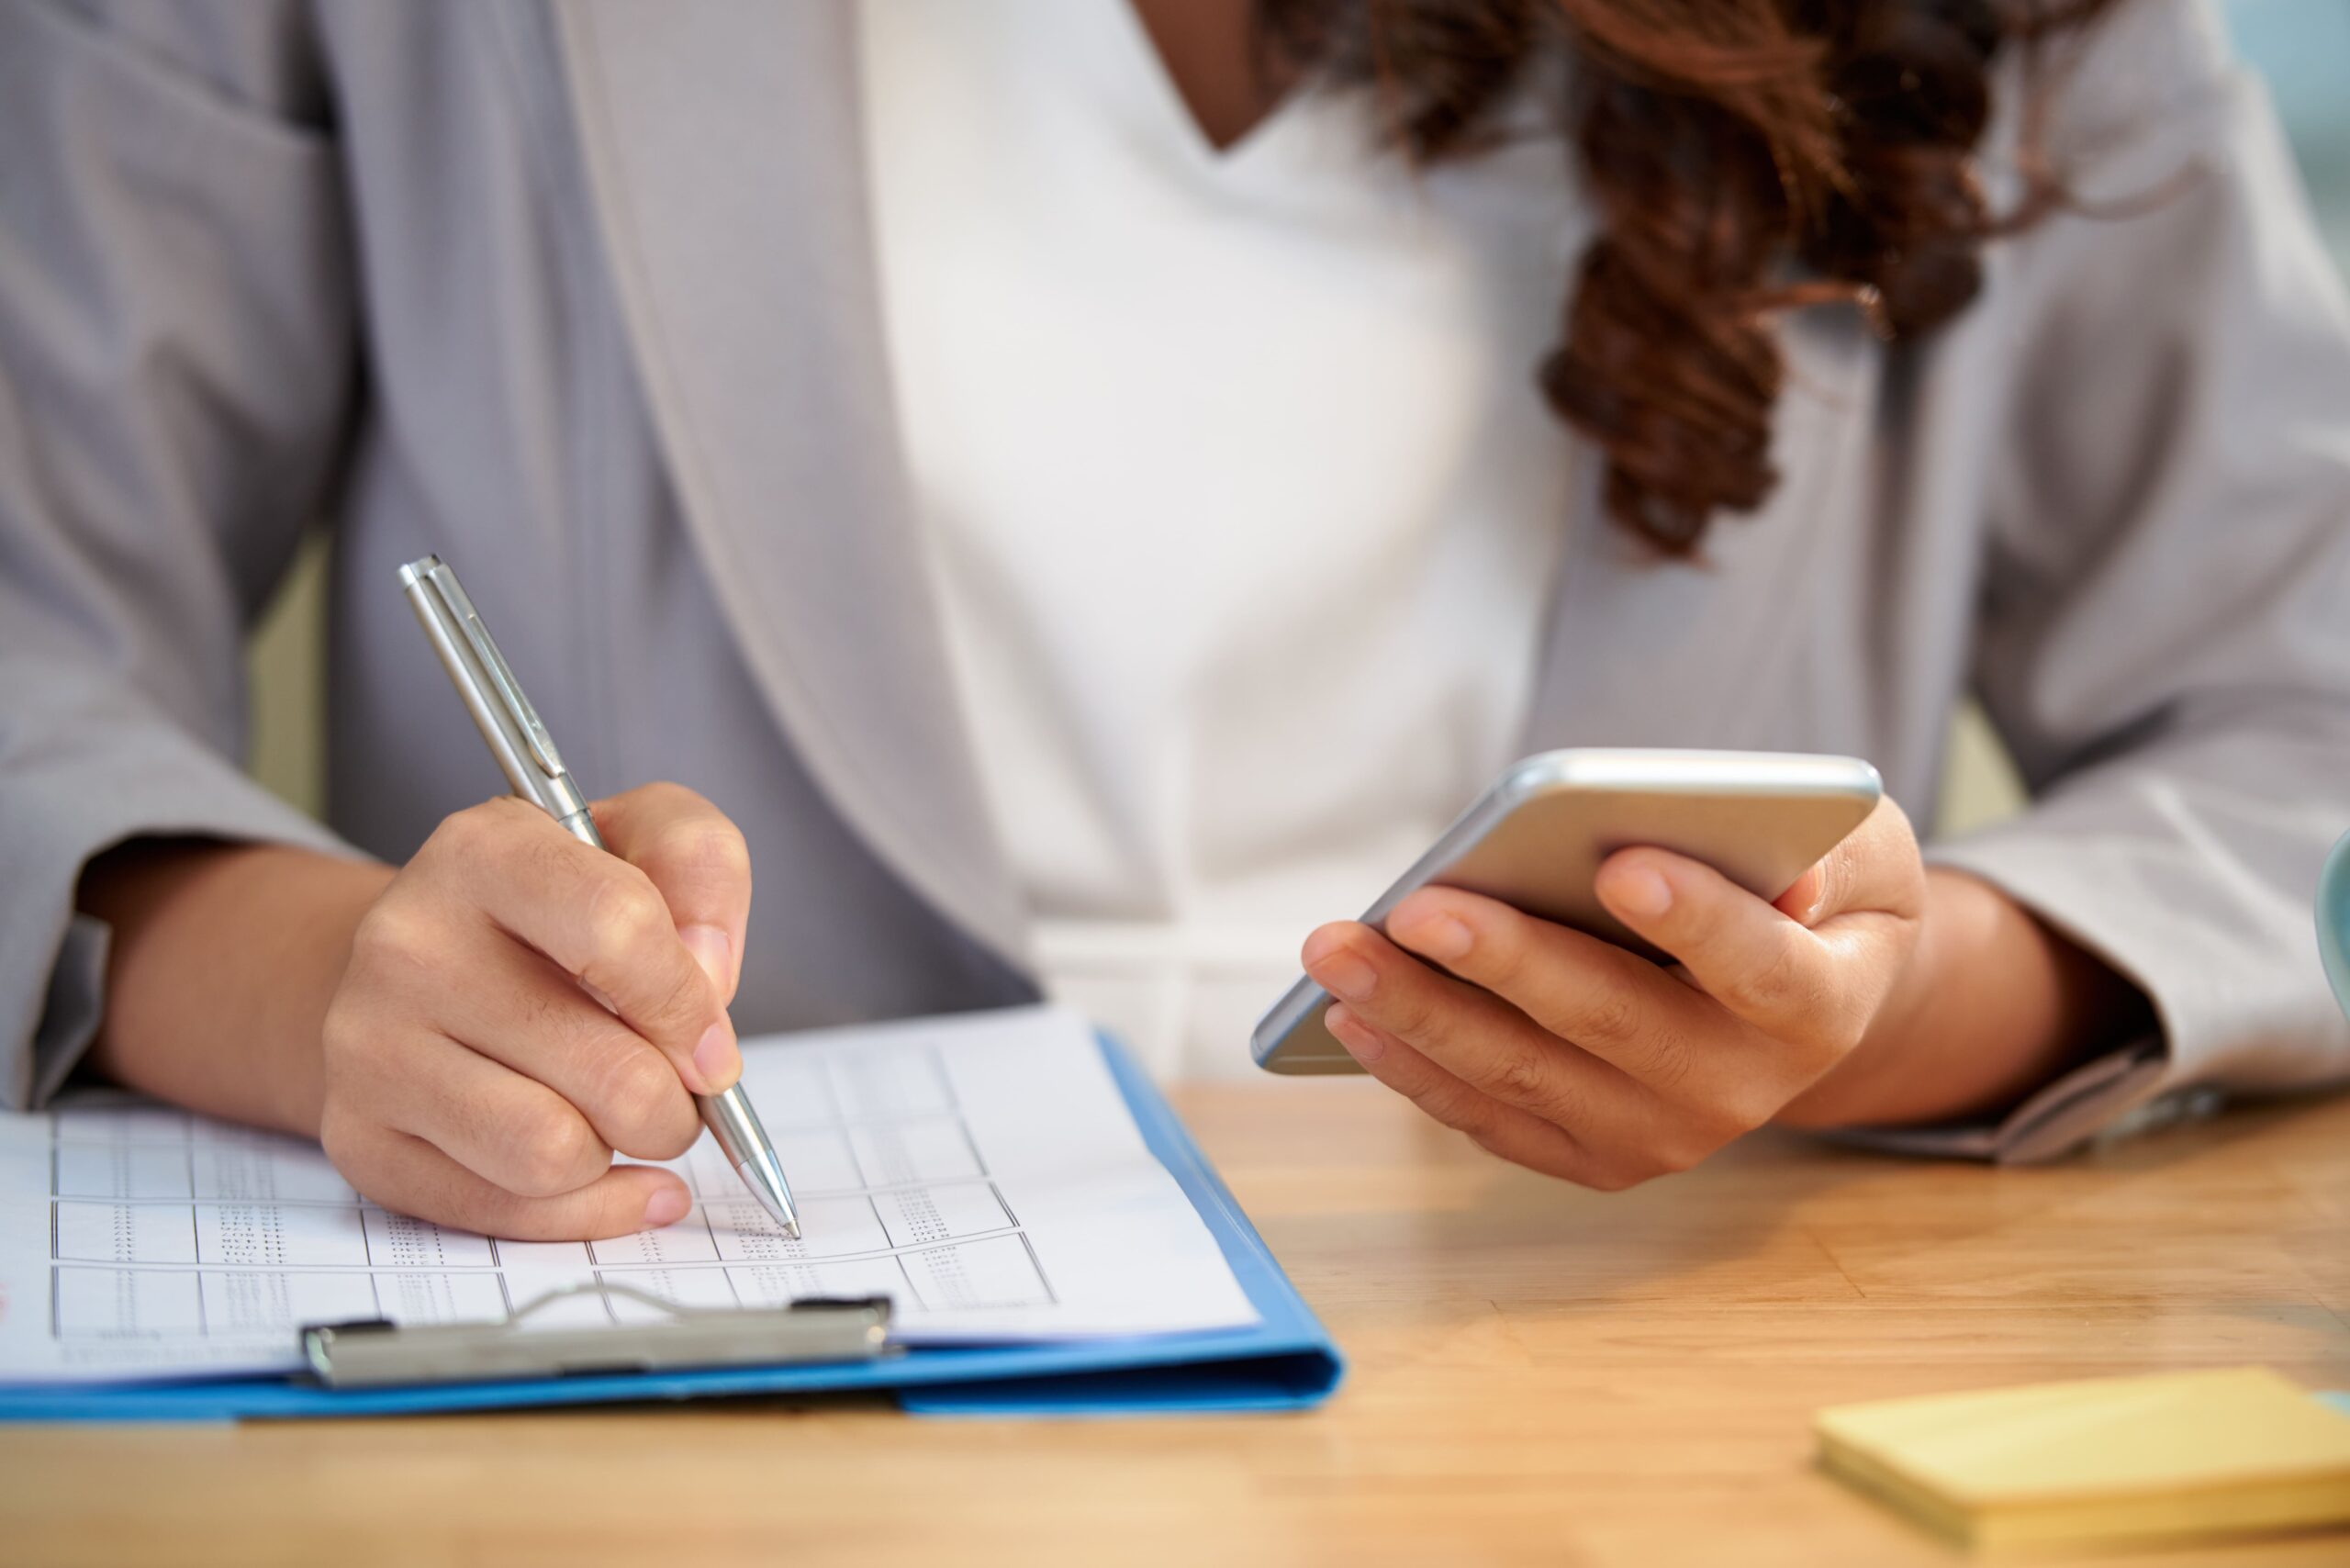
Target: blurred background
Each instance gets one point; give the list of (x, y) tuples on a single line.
[(2300, 46)]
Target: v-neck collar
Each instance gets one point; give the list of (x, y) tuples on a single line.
[(1128, 49)]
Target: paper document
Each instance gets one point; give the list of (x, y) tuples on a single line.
[(981, 1172)]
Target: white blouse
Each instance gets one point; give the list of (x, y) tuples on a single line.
[(1243, 503)]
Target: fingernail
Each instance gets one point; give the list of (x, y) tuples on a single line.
[(1341, 973), (1642, 892), (716, 1059), (1361, 1044), (1442, 937), (713, 951), (666, 1207)]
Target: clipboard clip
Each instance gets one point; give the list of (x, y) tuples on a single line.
[(377, 1353)]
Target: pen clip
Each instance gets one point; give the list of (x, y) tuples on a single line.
[(493, 664)]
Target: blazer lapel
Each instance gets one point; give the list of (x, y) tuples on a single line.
[(723, 145)]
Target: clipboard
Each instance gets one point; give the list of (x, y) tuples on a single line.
[(1284, 1361)]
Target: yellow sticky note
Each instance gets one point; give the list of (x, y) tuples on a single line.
[(2108, 1459)]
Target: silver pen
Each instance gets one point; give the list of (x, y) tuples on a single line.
[(535, 769)]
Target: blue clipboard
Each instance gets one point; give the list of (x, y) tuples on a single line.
[(1285, 1362)]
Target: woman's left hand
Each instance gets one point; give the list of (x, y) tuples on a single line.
[(1570, 1056)]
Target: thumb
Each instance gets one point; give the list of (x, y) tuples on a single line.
[(1812, 898), (1875, 867)]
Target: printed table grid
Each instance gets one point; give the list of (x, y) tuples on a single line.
[(159, 1218)]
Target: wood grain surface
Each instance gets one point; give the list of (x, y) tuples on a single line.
[(1539, 1374)]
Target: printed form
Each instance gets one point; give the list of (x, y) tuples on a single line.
[(983, 1171)]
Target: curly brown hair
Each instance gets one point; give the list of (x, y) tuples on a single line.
[(1743, 156)]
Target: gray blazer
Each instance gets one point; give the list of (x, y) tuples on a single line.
[(580, 296)]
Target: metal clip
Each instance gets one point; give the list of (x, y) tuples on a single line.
[(376, 1353)]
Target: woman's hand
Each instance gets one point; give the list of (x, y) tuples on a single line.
[(473, 1076), (1570, 1056)]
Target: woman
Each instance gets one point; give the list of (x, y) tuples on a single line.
[(1070, 486)]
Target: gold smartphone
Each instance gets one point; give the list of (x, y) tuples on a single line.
[(1536, 839)]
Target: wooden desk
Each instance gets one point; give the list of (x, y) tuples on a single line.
[(1541, 1375)]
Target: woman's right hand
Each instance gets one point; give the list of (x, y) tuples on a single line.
[(473, 1076)]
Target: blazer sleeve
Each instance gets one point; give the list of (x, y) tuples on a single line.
[(177, 372), (2163, 639)]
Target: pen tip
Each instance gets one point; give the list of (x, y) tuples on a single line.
[(768, 1185)]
